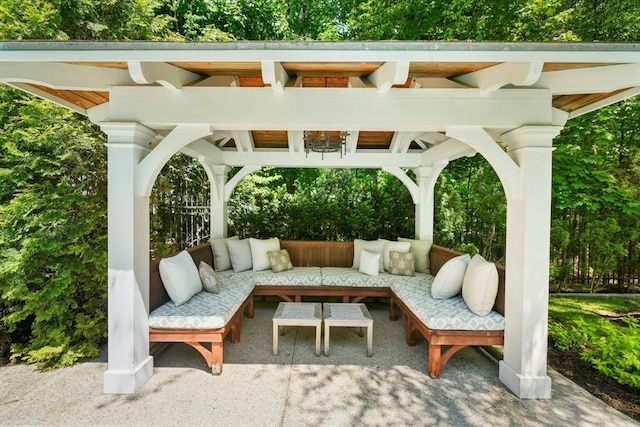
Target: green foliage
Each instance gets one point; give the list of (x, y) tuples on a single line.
[(576, 325), (29, 19), (52, 231)]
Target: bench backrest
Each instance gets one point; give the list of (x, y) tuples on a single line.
[(305, 253), (439, 255)]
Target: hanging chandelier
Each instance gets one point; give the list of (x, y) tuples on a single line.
[(325, 142)]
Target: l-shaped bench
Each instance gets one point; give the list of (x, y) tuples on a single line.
[(323, 269)]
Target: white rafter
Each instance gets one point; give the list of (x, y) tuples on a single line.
[(351, 143), (389, 74), (203, 150), (296, 141), (401, 141), (169, 76), (244, 140), (605, 102), (591, 80), (274, 74), (493, 78), (447, 150)]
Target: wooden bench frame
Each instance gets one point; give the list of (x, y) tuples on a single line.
[(197, 338), (451, 340)]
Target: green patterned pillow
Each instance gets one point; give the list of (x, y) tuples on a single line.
[(402, 264), (279, 260)]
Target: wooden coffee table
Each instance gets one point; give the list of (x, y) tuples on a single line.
[(347, 315), (297, 314)]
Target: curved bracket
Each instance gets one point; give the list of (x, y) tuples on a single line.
[(493, 78), (408, 182), (150, 166), (169, 76), (506, 168), (233, 182)]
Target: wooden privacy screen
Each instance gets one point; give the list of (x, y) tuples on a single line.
[(319, 253)]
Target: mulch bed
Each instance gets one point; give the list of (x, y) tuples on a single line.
[(625, 399)]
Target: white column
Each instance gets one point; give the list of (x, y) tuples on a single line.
[(426, 178), (218, 204), (128, 232), (524, 368)]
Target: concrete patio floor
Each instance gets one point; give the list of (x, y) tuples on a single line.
[(296, 388)]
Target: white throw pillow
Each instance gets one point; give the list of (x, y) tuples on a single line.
[(209, 278), (180, 277), (480, 286), (221, 259), (448, 281), (372, 246), (402, 247), (369, 263), (420, 250), (259, 252), (240, 254)]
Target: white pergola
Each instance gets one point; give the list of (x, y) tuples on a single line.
[(405, 105)]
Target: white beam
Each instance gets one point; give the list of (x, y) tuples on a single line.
[(243, 140), (64, 76), (436, 82), (605, 102), (169, 76), (591, 80), (48, 97), (359, 159), (448, 150), (356, 83), (401, 141), (296, 141), (244, 108), (389, 74), (351, 143), (217, 81), (493, 78), (506, 169), (203, 150), (275, 75), (426, 178)]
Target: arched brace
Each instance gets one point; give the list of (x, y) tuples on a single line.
[(217, 175), (408, 182), (233, 182), (506, 168), (150, 166)]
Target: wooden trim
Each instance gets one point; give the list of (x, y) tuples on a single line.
[(347, 293)]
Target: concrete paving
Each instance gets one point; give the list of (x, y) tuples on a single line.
[(296, 388)]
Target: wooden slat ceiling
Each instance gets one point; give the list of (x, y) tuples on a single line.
[(329, 75)]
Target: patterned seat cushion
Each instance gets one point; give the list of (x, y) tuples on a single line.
[(205, 310), (447, 314), (344, 276), (298, 276)]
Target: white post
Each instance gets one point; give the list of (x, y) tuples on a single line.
[(524, 368), (218, 204), (128, 232), (426, 178)]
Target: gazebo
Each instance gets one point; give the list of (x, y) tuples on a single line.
[(404, 105)]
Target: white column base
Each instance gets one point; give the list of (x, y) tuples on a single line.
[(117, 381), (525, 387)]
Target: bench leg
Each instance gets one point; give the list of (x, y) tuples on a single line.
[(216, 357), (250, 313), (409, 329), (437, 359), (393, 315)]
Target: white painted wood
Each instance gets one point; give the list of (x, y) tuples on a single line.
[(64, 76), (334, 109), (404, 178), (244, 140), (359, 159), (591, 80), (356, 82), (151, 165), (493, 78), (235, 180), (296, 141), (389, 74), (435, 82), (448, 150), (169, 76), (426, 178), (217, 175), (48, 97), (351, 143), (401, 141), (275, 75), (605, 102), (217, 81), (524, 367), (201, 149), (506, 169), (99, 113), (129, 364)]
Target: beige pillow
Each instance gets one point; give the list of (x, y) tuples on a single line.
[(240, 254), (221, 259), (389, 247), (209, 278), (259, 250), (480, 286), (420, 250), (448, 281), (401, 263), (280, 260), (369, 263)]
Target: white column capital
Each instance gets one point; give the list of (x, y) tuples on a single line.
[(531, 136), (127, 133)]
